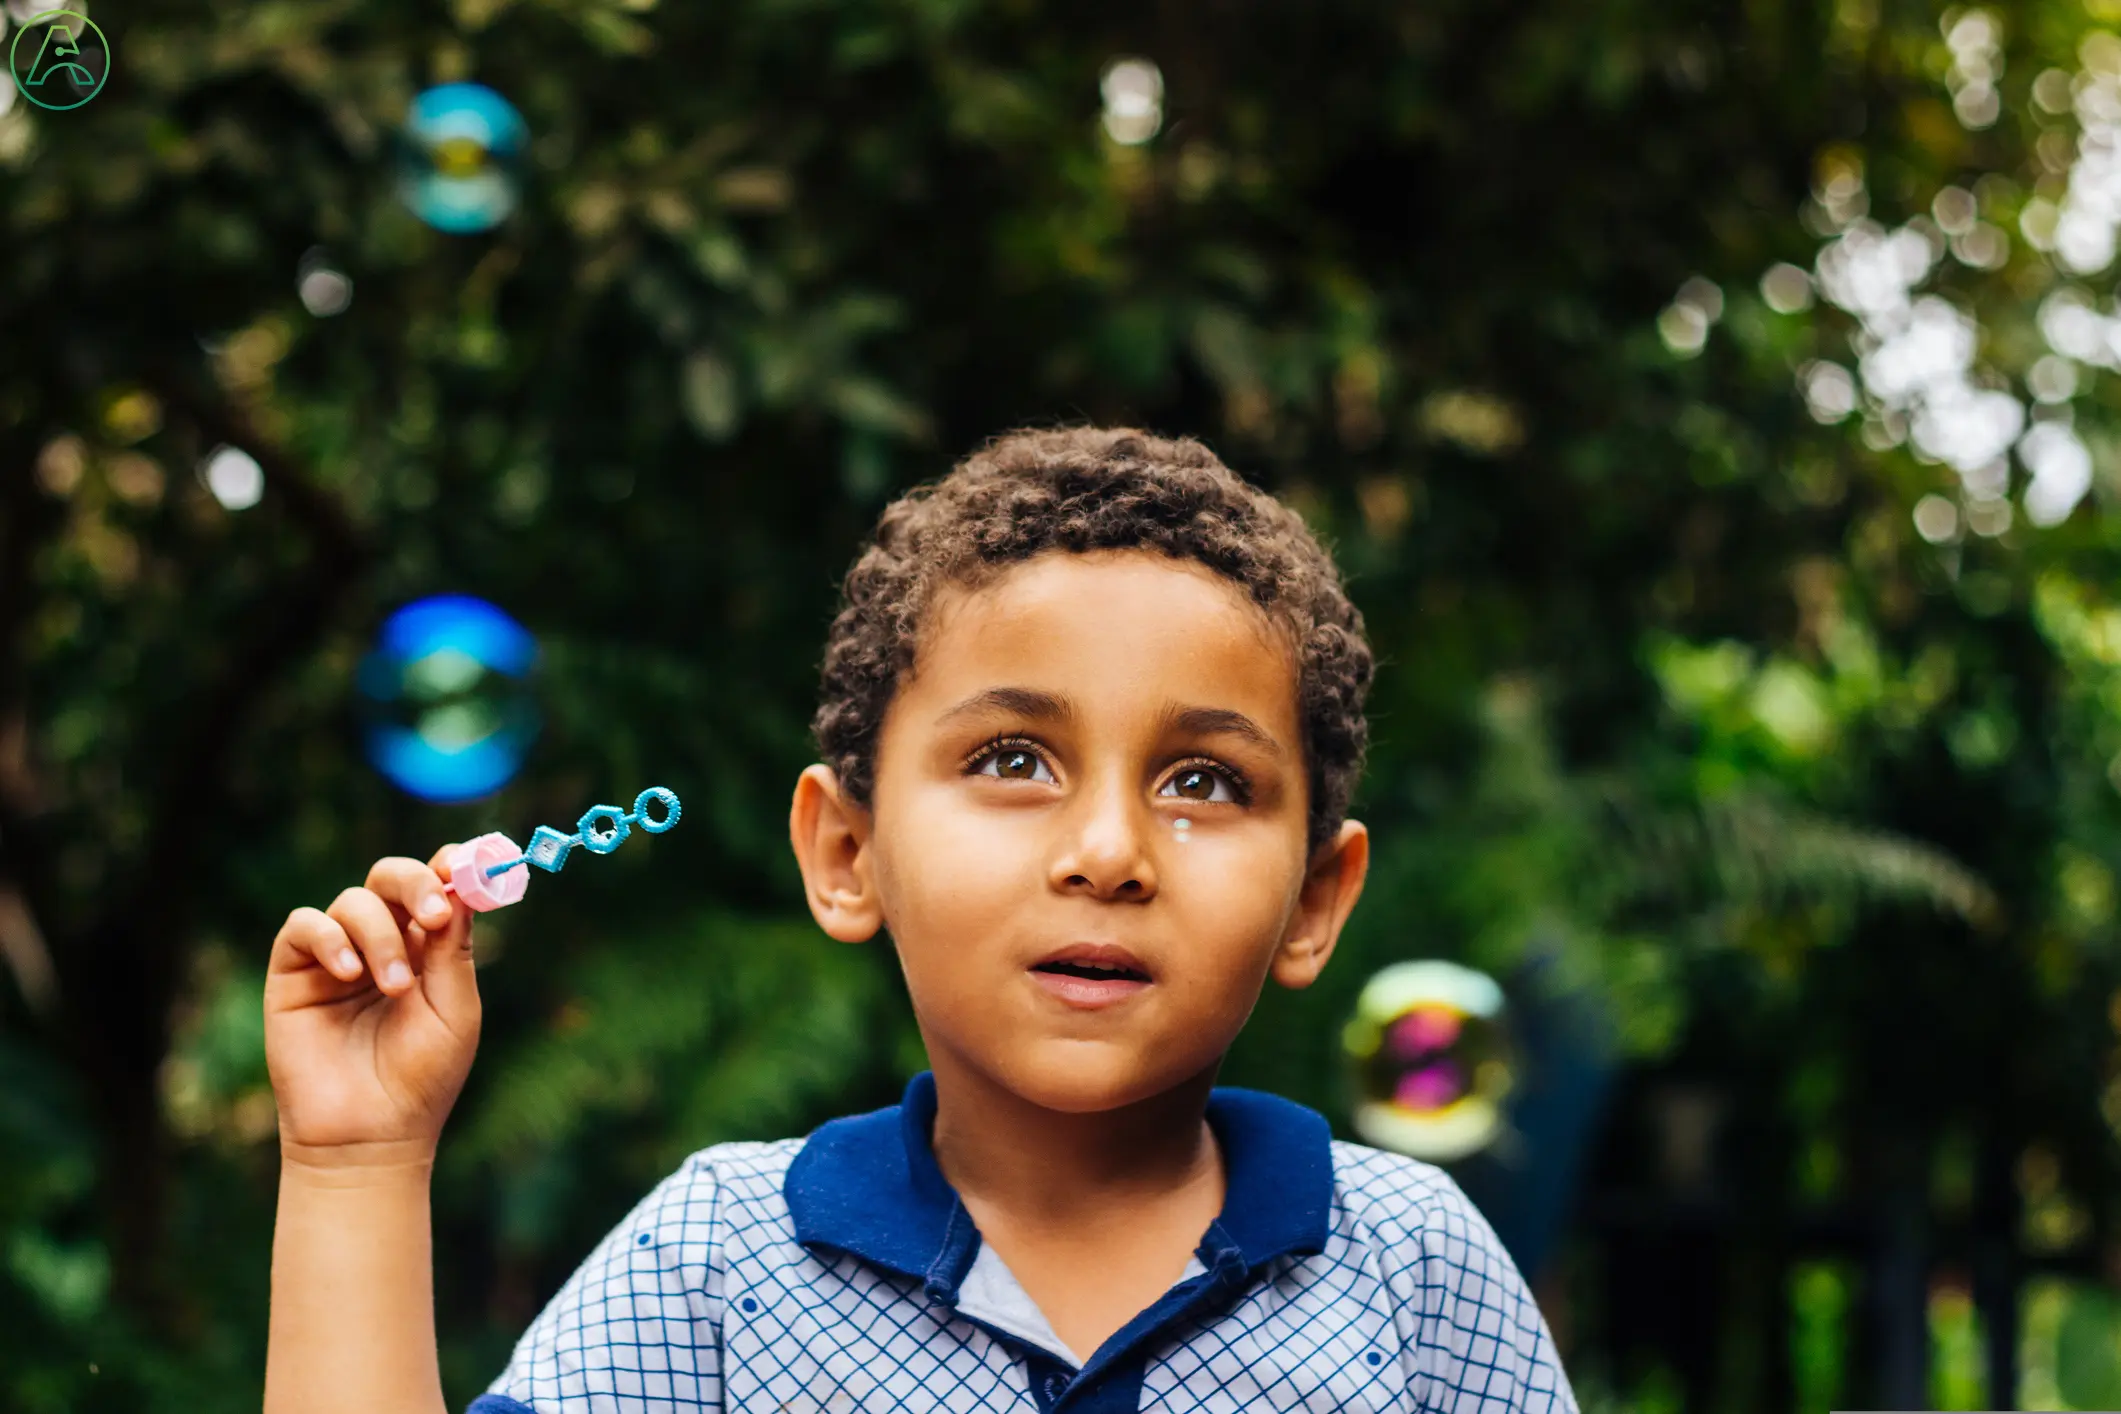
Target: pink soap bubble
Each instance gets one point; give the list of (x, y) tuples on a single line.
[(470, 881)]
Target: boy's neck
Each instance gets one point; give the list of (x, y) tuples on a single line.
[(1045, 1166)]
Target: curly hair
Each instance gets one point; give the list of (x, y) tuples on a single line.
[(1083, 489)]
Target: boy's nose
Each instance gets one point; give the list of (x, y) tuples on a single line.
[(1106, 845)]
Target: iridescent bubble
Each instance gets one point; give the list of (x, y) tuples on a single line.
[(461, 157), (447, 700), (1432, 1058)]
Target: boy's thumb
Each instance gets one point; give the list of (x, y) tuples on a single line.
[(452, 985), (446, 973)]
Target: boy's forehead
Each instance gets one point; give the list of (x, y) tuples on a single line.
[(1117, 618)]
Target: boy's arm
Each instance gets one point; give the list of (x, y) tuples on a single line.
[(352, 1325), (371, 1021), (1484, 1343), (1474, 1339), (640, 1319)]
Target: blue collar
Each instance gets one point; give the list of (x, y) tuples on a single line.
[(869, 1185)]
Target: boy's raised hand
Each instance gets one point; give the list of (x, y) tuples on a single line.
[(372, 1018)]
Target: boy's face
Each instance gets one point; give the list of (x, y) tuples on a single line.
[(1099, 753)]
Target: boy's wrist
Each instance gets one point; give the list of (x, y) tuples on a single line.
[(357, 1165)]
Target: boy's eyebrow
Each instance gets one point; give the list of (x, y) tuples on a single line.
[(1029, 702), (1208, 721), (1040, 705)]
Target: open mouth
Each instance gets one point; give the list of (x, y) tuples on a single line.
[(1094, 972)]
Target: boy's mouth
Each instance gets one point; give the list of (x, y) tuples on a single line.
[(1091, 974), (1092, 971)]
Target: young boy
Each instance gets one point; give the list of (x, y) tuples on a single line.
[(1091, 715)]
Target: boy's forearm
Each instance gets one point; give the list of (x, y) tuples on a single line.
[(352, 1325)]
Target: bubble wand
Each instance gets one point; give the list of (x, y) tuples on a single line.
[(482, 871)]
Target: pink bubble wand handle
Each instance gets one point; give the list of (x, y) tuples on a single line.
[(483, 872)]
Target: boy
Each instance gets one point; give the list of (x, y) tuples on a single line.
[(1091, 715)]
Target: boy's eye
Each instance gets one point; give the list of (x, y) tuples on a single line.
[(1014, 763), (1200, 783)]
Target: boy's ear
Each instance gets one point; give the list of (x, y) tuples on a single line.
[(831, 834), (1330, 889)]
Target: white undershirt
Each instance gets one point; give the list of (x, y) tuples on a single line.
[(991, 1293)]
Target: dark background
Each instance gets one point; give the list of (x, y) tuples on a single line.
[(1791, 832)]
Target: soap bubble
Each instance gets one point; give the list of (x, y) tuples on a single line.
[(447, 700), (1432, 1059), (461, 157)]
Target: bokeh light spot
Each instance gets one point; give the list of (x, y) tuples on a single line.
[(2053, 379), (1988, 517), (1684, 324), (1133, 91), (324, 288), (2052, 91), (1683, 328), (1983, 247), (233, 476), (1955, 210), (1829, 391), (1936, 519), (2062, 472), (1786, 288)]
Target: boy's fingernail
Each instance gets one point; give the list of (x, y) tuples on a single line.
[(397, 974), (348, 962), (433, 904)]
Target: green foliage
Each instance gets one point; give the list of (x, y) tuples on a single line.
[(1670, 684)]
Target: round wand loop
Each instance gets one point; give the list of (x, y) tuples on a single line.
[(668, 799)]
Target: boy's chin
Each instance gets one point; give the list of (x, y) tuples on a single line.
[(1092, 1078)]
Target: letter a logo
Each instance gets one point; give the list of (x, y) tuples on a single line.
[(53, 69)]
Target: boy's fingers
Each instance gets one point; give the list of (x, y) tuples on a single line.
[(374, 930), (310, 935), (414, 887)]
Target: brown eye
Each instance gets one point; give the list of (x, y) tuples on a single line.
[(1199, 783), (1013, 763)]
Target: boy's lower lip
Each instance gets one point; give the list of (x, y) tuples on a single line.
[(1088, 992)]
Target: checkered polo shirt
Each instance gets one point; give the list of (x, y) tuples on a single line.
[(842, 1272)]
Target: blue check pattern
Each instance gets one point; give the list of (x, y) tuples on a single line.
[(823, 1274)]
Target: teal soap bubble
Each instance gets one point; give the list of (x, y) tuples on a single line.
[(461, 158)]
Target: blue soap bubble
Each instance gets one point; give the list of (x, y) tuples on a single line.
[(460, 157), (447, 700)]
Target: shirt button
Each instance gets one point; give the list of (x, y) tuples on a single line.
[(1056, 1386)]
